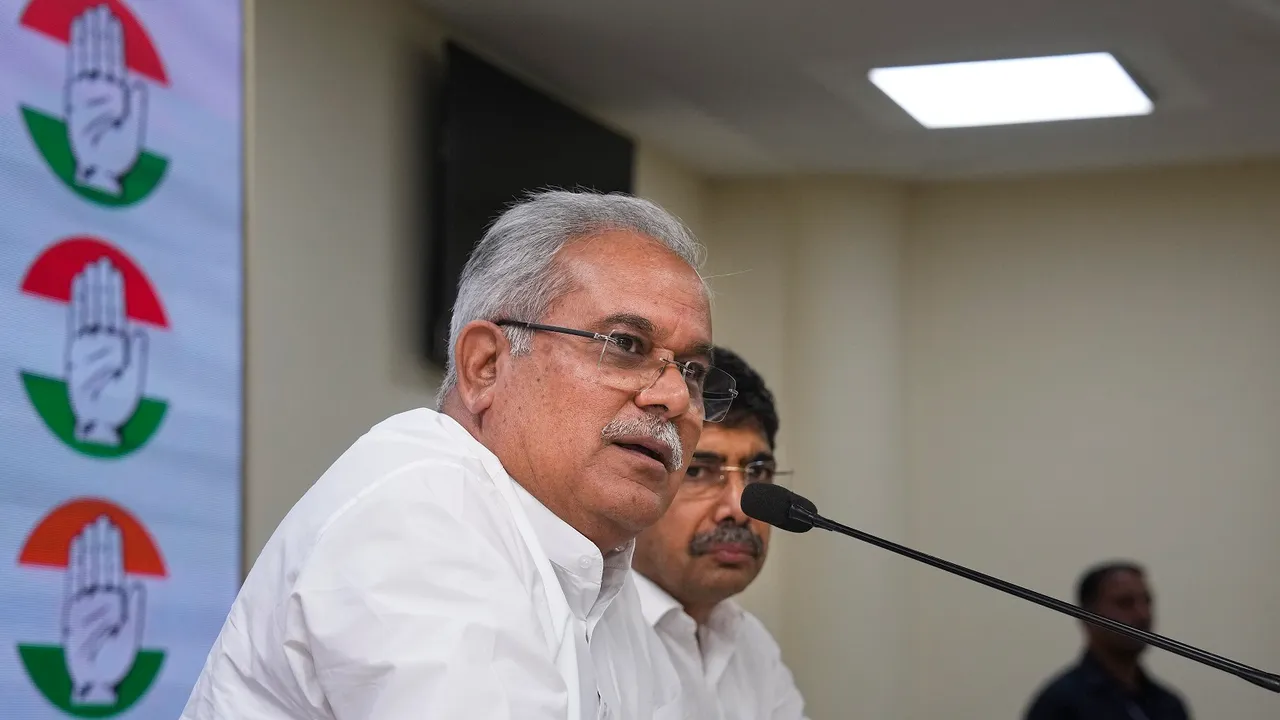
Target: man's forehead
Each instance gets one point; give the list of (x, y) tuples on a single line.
[(666, 321), (708, 454), (664, 302), (739, 441), (1124, 582)]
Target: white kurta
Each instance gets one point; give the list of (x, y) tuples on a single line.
[(416, 579), (731, 668)]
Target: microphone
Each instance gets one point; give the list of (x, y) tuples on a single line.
[(788, 511)]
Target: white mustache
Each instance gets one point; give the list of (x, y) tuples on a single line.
[(651, 426)]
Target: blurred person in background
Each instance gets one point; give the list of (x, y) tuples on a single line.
[(1109, 682), (475, 562), (704, 551)]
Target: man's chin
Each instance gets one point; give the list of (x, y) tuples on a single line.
[(731, 571), (1131, 647), (638, 506)]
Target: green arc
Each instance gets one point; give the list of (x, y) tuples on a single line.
[(49, 397), (50, 136), (46, 665)]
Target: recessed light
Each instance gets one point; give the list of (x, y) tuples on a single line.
[(1012, 91)]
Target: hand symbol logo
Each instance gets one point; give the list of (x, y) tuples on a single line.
[(106, 359), (102, 618), (106, 113)]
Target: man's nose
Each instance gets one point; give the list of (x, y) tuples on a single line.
[(668, 395), (729, 505)]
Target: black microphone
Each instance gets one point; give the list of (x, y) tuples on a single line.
[(784, 509)]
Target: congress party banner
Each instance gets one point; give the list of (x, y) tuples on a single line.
[(121, 324)]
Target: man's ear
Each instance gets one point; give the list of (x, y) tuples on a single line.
[(481, 346)]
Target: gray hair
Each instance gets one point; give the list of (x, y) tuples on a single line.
[(511, 273)]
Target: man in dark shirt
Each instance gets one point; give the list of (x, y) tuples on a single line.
[(1108, 683)]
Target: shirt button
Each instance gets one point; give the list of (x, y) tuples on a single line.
[(584, 562)]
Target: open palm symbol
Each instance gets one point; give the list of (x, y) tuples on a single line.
[(102, 616), (106, 112), (106, 358)]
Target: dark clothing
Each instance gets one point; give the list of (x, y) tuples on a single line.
[(1088, 692)]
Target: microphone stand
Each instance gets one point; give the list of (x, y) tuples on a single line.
[(1258, 677)]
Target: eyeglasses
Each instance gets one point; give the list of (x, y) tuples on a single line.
[(708, 477), (626, 363)]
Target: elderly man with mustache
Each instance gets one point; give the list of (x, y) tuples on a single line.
[(475, 562), (704, 551)]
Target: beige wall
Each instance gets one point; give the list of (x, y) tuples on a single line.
[(806, 275), (967, 368), (332, 238), (1024, 377), (1092, 372)]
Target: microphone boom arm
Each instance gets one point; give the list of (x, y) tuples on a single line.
[(1258, 677)]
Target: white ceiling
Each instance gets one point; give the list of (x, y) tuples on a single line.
[(737, 87)]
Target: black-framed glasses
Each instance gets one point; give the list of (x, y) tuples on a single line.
[(627, 364), (706, 477)]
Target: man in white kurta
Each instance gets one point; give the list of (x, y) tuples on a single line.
[(474, 562), (731, 665), (416, 579), (704, 551)]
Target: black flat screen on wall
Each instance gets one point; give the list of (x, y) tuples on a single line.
[(496, 140)]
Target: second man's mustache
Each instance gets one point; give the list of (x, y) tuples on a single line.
[(727, 533)]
